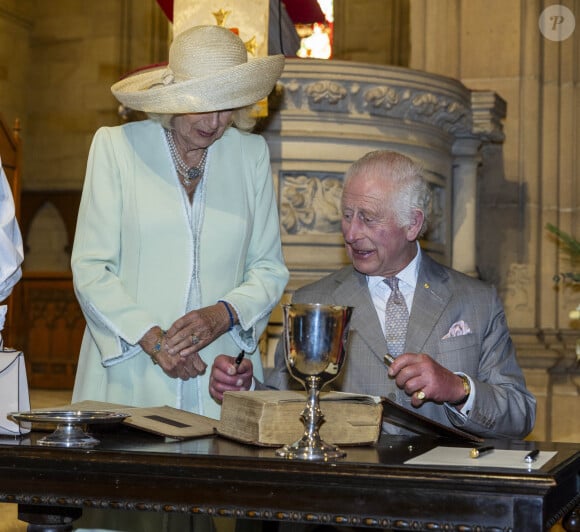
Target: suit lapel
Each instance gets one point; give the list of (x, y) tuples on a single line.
[(431, 298), (364, 323)]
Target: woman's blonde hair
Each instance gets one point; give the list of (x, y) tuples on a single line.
[(242, 118)]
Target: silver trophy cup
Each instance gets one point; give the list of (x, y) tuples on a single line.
[(315, 340)]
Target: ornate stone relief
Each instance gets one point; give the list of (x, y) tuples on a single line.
[(488, 109), (310, 202), (325, 91), (443, 112)]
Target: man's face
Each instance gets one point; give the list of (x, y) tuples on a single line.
[(374, 241)]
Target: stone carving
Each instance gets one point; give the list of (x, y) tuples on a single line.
[(444, 112), (310, 202), (384, 97), (488, 109), (449, 115), (329, 91)]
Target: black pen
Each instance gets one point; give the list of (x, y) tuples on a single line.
[(239, 358), (532, 455), (476, 452)]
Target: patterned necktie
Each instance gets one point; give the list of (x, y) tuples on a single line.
[(396, 318)]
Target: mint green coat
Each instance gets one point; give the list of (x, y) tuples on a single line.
[(143, 256)]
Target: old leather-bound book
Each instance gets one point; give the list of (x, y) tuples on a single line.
[(272, 417)]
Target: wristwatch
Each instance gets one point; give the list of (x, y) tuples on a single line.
[(466, 389)]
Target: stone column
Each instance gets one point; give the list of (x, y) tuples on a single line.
[(488, 110), (465, 162)]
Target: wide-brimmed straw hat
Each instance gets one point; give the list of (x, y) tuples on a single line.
[(208, 71)]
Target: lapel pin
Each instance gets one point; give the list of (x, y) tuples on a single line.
[(426, 285)]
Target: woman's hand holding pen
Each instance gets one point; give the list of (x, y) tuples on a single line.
[(230, 373)]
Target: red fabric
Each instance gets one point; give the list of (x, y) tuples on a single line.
[(143, 68), (300, 11), (304, 11), (167, 7)]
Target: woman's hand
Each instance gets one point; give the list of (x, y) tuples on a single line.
[(154, 343), (227, 375), (179, 367), (198, 328)]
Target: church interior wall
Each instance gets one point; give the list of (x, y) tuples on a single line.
[(59, 58)]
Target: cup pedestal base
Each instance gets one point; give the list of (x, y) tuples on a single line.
[(305, 449)]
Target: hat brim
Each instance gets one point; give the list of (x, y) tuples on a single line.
[(235, 87)]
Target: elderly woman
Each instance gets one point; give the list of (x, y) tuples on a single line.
[(177, 254)]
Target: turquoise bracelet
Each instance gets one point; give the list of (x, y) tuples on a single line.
[(230, 314), (157, 347)]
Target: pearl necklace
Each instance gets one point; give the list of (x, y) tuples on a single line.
[(189, 174)]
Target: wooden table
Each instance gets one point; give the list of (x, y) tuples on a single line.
[(371, 487)]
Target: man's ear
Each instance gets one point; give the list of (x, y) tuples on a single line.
[(414, 228)]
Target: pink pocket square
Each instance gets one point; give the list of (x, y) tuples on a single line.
[(459, 328)]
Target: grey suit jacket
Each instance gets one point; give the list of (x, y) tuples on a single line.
[(503, 406)]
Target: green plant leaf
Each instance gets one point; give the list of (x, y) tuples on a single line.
[(569, 243)]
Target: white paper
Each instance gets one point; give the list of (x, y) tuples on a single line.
[(459, 456)]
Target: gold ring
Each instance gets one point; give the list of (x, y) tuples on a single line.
[(194, 339), (421, 395)]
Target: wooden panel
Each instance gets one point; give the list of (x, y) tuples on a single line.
[(50, 326)]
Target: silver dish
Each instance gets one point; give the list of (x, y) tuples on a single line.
[(69, 431)]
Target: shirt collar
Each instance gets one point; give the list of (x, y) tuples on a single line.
[(408, 275)]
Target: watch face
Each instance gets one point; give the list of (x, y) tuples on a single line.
[(466, 386)]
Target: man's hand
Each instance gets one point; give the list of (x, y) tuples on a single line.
[(425, 380), (227, 375)]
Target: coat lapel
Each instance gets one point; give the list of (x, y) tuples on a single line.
[(364, 323), (430, 301), (431, 298)]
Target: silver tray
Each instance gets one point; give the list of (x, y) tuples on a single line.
[(83, 417), (69, 431)]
